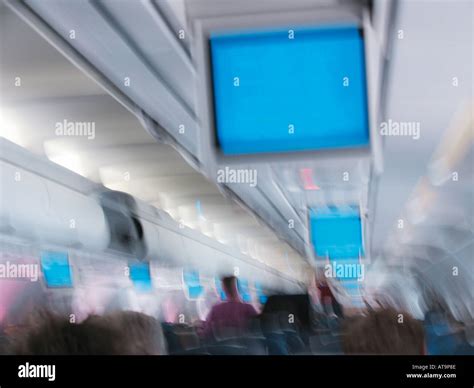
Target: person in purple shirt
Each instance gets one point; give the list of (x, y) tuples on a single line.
[(232, 314)]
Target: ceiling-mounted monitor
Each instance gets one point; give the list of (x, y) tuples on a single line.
[(336, 232), (286, 90), (285, 87)]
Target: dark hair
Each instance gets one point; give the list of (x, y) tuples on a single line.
[(113, 334), (383, 331), (56, 335), (228, 283), (141, 333)]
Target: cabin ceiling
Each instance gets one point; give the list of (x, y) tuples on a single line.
[(417, 88), (121, 155)]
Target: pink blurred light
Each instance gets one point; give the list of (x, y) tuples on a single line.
[(9, 289), (306, 175)]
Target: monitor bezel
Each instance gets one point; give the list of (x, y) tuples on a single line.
[(211, 156)]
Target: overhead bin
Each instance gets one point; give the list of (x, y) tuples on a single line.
[(24, 201), (45, 217), (154, 78), (72, 215), (126, 229), (45, 211)]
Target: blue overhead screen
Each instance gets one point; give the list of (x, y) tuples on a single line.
[(192, 284), (276, 94), (243, 286), (336, 233), (262, 297), (56, 269), (220, 290), (140, 276)]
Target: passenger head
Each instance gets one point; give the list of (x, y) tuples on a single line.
[(140, 333), (383, 331), (229, 285), (113, 334), (51, 334)]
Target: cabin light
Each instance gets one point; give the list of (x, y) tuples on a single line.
[(66, 158), (206, 227), (221, 235), (199, 211), (117, 186), (173, 212), (252, 249), (9, 130), (188, 215), (111, 174), (243, 244), (189, 224), (70, 161), (209, 234)]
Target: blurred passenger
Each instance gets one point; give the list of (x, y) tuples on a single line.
[(231, 314), (141, 333), (328, 301), (286, 323), (119, 333), (444, 334), (383, 331), (292, 311), (317, 314)]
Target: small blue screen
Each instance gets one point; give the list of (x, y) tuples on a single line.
[(274, 93), (336, 233), (140, 276), (56, 269), (243, 286), (260, 294), (192, 283), (195, 291), (220, 290)]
